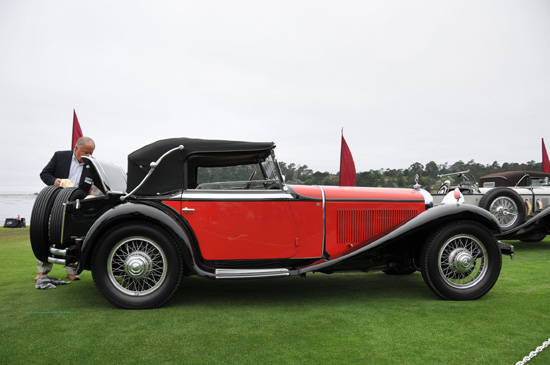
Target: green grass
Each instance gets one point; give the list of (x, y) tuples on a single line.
[(322, 319)]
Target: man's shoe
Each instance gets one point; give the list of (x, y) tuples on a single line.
[(73, 277), (39, 275)]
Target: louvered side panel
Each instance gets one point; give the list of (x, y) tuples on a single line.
[(358, 225)]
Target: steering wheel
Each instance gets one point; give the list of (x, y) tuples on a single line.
[(247, 186), (444, 188)]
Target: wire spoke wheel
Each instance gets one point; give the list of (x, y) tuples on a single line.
[(505, 210), (137, 266), (506, 205), (463, 261)]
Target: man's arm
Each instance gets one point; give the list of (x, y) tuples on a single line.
[(48, 173)]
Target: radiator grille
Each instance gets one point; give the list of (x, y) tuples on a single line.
[(358, 225)]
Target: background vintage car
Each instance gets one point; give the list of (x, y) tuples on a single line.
[(221, 210), (512, 197)]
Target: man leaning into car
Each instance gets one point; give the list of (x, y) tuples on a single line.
[(62, 166)]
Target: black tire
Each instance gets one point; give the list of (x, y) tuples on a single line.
[(506, 205), (461, 261), (56, 222), (137, 265), (40, 219)]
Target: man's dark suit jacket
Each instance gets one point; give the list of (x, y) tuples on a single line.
[(59, 167)]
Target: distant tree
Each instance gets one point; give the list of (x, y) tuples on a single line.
[(429, 180), (431, 169)]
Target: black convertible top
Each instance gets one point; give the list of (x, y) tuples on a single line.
[(169, 175)]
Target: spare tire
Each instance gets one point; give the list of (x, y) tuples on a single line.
[(40, 219), (506, 205), (56, 223)]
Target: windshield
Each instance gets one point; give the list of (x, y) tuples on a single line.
[(256, 176), (539, 181), (270, 168)]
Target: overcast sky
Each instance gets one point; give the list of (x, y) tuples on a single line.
[(409, 81)]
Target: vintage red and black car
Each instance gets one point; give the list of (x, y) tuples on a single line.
[(222, 210)]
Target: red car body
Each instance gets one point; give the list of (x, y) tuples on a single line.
[(285, 228)]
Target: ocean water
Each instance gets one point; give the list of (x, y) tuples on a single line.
[(16, 205)]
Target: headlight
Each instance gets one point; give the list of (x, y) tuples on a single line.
[(453, 197), (428, 198)]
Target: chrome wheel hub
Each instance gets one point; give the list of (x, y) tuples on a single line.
[(463, 261), (137, 266)]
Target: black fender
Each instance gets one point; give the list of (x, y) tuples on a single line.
[(408, 236), (156, 213), (540, 223)]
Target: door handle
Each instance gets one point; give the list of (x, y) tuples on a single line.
[(187, 210)]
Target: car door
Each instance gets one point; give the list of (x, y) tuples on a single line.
[(241, 225)]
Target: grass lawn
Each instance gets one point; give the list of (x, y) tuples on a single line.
[(322, 319)]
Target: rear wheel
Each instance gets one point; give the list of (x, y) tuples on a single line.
[(461, 261), (137, 266), (40, 220)]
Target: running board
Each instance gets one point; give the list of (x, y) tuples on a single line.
[(250, 273)]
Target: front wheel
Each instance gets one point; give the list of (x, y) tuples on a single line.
[(137, 266), (461, 261)]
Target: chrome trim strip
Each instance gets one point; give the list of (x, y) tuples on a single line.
[(153, 165), (237, 195), (378, 200), (250, 273), (324, 220)]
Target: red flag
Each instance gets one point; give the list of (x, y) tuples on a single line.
[(545, 161), (77, 132), (347, 166)]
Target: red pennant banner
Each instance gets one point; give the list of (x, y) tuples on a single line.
[(545, 161), (77, 132), (347, 166)]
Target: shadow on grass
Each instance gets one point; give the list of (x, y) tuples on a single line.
[(529, 246), (313, 289), (358, 288)]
